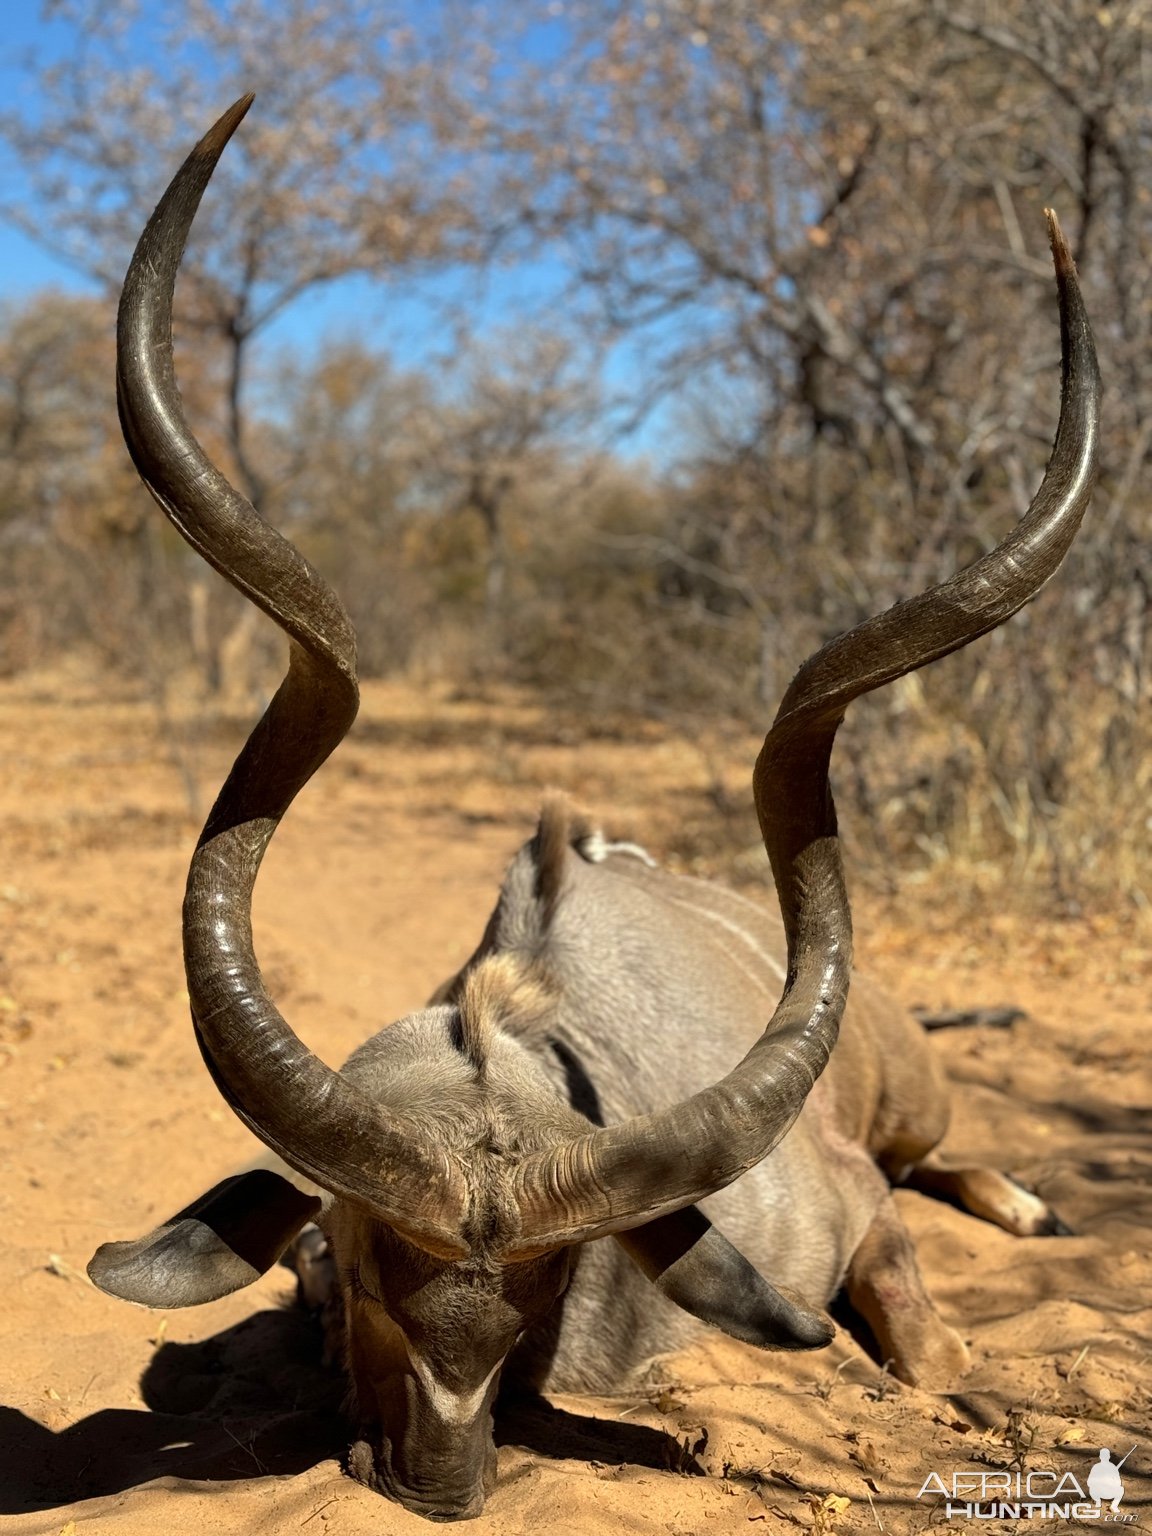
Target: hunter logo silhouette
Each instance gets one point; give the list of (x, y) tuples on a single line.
[(1105, 1484), (1035, 1493)]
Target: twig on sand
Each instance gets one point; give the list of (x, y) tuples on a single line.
[(318, 1511), (872, 1507), (247, 1448)]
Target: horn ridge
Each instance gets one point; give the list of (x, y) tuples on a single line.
[(309, 1114)]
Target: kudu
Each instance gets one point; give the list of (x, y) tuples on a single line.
[(575, 1081)]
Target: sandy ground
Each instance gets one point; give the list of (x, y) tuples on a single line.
[(212, 1420)]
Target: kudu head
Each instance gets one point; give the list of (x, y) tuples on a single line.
[(457, 1188)]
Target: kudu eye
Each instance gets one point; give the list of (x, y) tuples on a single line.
[(354, 1274)]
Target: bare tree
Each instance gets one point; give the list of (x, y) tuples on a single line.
[(818, 230), (348, 486), (330, 179), (502, 428), (81, 566), (830, 219)]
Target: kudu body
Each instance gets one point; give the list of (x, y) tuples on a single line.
[(621, 1048)]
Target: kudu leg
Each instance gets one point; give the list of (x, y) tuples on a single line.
[(906, 1141), (989, 1194), (884, 1285)]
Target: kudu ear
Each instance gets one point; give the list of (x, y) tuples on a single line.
[(695, 1265), (216, 1245)]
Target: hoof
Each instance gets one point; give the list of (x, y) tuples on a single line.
[(1052, 1226), (939, 1362)]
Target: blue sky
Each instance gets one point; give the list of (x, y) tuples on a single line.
[(23, 264), (408, 321)]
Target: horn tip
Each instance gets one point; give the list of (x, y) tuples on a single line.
[(1061, 253), (213, 142)]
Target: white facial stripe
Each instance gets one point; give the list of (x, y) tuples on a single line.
[(453, 1407), (595, 848), (746, 939)]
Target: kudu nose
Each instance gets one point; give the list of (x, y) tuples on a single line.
[(376, 1471), (467, 1512)]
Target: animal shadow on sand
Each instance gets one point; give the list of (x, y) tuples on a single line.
[(256, 1401)]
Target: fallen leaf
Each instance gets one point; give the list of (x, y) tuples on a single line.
[(827, 1510), (949, 1421), (865, 1455)]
